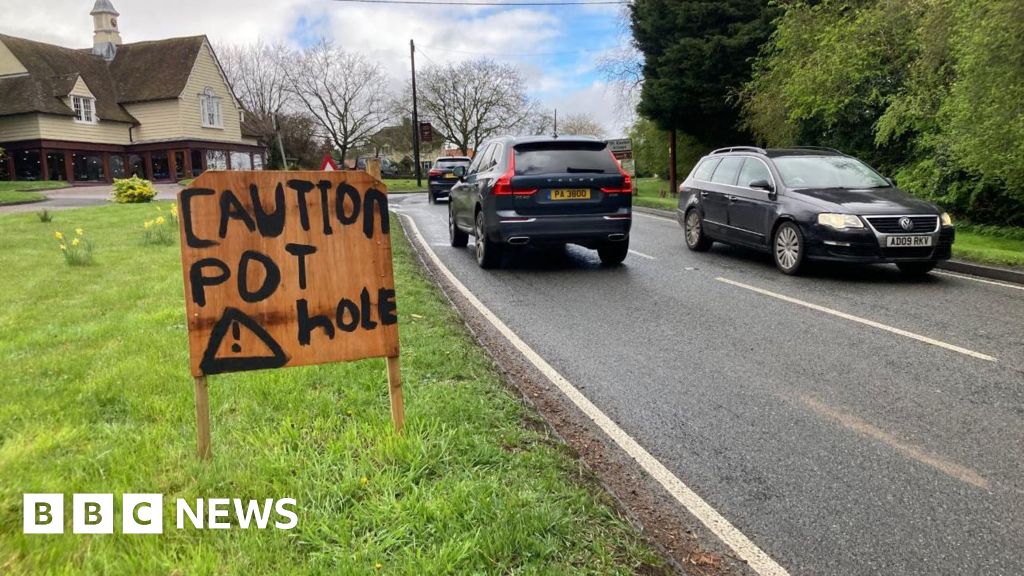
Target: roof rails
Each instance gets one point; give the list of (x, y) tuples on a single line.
[(822, 148), (739, 149)]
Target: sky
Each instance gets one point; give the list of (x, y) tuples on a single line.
[(557, 48)]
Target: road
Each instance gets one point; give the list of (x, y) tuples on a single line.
[(847, 422)]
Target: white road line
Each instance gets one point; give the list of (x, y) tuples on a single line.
[(756, 558), (864, 321), (642, 255), (1003, 284), (646, 215)]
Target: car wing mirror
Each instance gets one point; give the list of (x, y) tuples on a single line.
[(459, 171), (761, 184)]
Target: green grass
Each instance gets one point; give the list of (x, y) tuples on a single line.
[(20, 192), (649, 194), (186, 182), (97, 397), (405, 184), (988, 249)]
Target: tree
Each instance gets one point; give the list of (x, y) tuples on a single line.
[(474, 100), (257, 75), (344, 92), (580, 125), (696, 58)]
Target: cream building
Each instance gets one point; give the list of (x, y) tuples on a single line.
[(162, 109)]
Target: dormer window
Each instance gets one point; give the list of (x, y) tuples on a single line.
[(209, 105), (84, 109)]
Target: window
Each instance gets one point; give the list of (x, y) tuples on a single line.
[(241, 161), (216, 160), (481, 154), (827, 172), (753, 169), (565, 158), (704, 171), (84, 109), (209, 106), (728, 170)]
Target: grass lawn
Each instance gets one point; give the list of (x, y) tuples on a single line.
[(988, 249), (19, 192), (405, 184), (648, 194), (97, 397)]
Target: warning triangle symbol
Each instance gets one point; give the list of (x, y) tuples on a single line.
[(216, 361)]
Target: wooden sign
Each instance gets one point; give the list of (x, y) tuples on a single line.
[(287, 269)]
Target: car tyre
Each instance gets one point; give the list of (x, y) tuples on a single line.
[(488, 253), (693, 229), (788, 248), (915, 269), (613, 254), (457, 237), (431, 199)]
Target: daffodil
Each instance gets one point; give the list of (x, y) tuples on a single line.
[(63, 247), (148, 224), (79, 231), (160, 220), (75, 242), (58, 235), (364, 481)]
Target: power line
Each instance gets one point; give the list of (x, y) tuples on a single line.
[(491, 3), (577, 51)]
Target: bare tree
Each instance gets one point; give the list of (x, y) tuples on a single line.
[(623, 68), (343, 91), (580, 125), (473, 100), (257, 75)]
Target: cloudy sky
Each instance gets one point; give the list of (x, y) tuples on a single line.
[(558, 48)]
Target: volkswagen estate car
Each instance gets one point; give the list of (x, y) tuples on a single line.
[(808, 203), (542, 190)]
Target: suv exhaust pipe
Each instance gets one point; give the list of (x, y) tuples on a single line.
[(519, 240), (617, 237)]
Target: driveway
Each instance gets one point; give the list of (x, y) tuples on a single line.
[(81, 197)]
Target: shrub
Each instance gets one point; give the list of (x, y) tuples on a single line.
[(132, 190), (44, 215), (77, 250)]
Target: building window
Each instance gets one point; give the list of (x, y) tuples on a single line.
[(117, 166), (87, 166), (209, 105), (55, 166), (136, 165), (197, 162), (216, 160), (159, 165), (257, 162), (27, 165), (84, 109), (241, 161)]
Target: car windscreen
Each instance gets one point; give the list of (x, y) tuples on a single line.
[(451, 162), (827, 172), (564, 158)]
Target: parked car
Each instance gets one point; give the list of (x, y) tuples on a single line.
[(541, 191), (441, 176), (808, 203), (388, 169)]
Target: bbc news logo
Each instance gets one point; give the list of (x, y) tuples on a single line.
[(144, 514)]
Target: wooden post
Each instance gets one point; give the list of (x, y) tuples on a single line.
[(395, 392), (373, 167), (202, 419)]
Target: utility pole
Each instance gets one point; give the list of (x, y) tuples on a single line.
[(415, 117), (280, 146), (556, 123)]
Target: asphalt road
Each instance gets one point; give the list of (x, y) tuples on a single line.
[(838, 447)]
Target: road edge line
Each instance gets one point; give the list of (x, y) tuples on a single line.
[(756, 559)]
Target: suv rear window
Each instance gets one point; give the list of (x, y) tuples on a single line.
[(451, 162), (564, 158)]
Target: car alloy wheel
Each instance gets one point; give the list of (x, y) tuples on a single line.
[(693, 228), (488, 254), (456, 237), (788, 248)]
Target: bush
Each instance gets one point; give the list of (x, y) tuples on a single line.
[(132, 190)]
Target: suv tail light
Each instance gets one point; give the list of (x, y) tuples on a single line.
[(627, 181), (503, 185), (434, 172)]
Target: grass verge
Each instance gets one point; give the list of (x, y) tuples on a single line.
[(649, 194), (97, 398), (988, 248), (405, 184), (21, 192)]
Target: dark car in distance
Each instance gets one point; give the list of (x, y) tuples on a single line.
[(809, 203), (441, 176), (542, 190)]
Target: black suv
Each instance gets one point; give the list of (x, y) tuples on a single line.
[(542, 190), (442, 177), (810, 203)]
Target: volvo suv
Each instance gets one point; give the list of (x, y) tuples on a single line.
[(809, 203), (542, 191)]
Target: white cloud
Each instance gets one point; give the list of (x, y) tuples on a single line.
[(382, 32)]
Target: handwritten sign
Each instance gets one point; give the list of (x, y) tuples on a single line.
[(286, 269)]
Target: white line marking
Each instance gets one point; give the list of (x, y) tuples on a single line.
[(642, 255), (864, 321), (646, 215), (1003, 284), (756, 558)]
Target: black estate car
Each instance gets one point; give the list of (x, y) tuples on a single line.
[(810, 203), (542, 190), (442, 177)]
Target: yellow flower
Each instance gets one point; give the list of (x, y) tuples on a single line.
[(148, 224), (79, 231), (63, 247), (75, 242), (58, 235), (158, 209), (378, 565), (364, 481), (174, 210), (160, 220)]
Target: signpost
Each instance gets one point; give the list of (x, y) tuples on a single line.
[(286, 269), (426, 132), (328, 164), (622, 149)]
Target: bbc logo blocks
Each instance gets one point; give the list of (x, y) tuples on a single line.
[(93, 514)]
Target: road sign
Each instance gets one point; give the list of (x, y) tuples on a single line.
[(328, 164), (426, 132), (287, 269)]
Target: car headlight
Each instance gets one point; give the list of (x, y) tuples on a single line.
[(840, 221), (947, 220)]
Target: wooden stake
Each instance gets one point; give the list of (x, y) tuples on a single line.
[(395, 391), (202, 418)]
